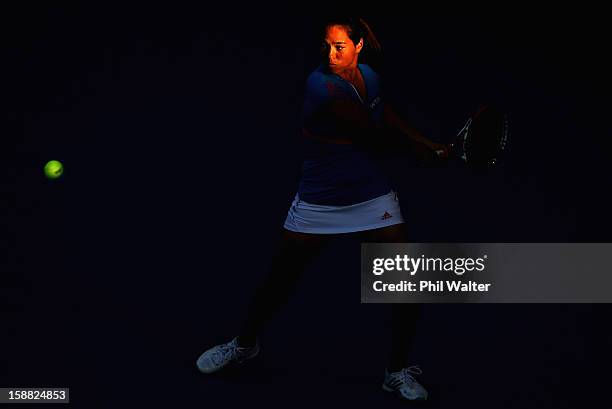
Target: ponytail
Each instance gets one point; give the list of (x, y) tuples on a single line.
[(369, 37), (371, 53)]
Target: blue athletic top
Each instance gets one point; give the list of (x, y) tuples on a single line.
[(335, 174)]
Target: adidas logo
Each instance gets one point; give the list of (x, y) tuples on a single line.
[(386, 216)]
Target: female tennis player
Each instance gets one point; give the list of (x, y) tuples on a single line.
[(341, 191)]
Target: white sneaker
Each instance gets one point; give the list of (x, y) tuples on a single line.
[(404, 385), (221, 355)]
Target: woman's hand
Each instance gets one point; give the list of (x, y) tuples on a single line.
[(441, 150)]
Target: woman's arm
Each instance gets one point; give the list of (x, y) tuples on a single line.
[(396, 125)]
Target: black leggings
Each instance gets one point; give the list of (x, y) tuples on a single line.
[(295, 254)]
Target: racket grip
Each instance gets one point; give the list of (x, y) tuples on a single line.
[(445, 153)]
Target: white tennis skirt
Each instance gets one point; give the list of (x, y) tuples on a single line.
[(379, 212)]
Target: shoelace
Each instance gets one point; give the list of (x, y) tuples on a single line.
[(224, 352), (406, 376)]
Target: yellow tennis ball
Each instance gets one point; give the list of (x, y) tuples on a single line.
[(54, 169)]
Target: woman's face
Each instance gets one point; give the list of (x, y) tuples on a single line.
[(340, 51)]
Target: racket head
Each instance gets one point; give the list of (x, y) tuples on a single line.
[(484, 139)]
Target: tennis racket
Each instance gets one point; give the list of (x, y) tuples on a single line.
[(483, 140)]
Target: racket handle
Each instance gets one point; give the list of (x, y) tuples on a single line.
[(445, 153)]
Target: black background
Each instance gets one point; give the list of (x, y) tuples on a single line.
[(178, 130)]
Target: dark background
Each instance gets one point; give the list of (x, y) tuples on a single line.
[(178, 131)]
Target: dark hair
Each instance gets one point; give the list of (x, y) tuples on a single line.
[(357, 29)]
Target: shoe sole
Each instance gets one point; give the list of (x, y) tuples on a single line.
[(388, 389)]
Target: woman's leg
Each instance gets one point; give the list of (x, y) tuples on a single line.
[(404, 316), (296, 251)]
